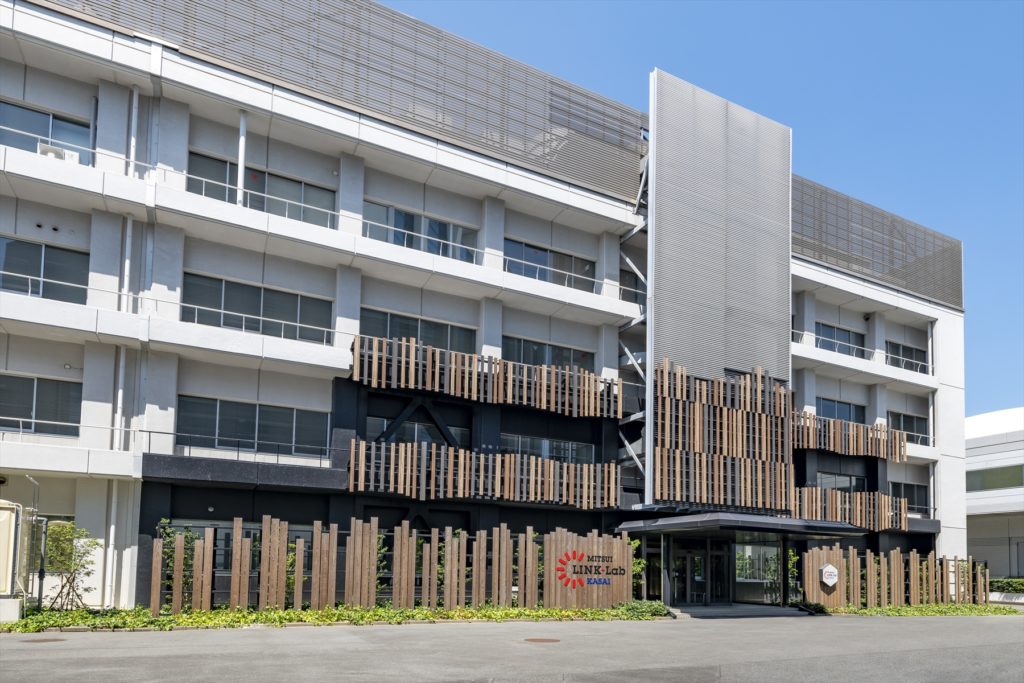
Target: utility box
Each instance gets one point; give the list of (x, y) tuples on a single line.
[(10, 535)]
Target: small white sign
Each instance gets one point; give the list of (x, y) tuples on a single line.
[(829, 575)]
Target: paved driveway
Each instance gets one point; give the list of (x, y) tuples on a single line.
[(932, 649)]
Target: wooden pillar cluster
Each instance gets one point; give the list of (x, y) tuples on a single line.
[(360, 564), (273, 564), (403, 572)]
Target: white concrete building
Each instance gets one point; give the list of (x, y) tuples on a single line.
[(176, 337), (995, 490)]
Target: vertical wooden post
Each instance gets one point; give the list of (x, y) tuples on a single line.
[(156, 576), (264, 562), (332, 566), (245, 565), (179, 566), (314, 596), (236, 559), (210, 550), (300, 558), (197, 574)]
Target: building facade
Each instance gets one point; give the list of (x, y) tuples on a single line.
[(379, 271), (995, 490)]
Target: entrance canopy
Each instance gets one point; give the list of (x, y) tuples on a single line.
[(729, 523)]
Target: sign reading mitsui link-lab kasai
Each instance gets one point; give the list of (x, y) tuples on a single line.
[(576, 568)]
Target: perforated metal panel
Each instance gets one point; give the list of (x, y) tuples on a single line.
[(718, 243), (845, 233), (388, 65)]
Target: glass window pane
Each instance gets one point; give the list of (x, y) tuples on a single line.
[(562, 269), (514, 251), (436, 237), (73, 136), (208, 176), (22, 258), (509, 443), (408, 225), (434, 334), (311, 432), (244, 299), (467, 238), (319, 206), (283, 307), (463, 339), (535, 353), (375, 426), (58, 401), (373, 323), (317, 314), (512, 349), (288, 190), (236, 425), (375, 221), (401, 326), (560, 356), (256, 187), (16, 395), (65, 265), (202, 293), (583, 359), (21, 119), (536, 262), (583, 271), (197, 421), (275, 429)]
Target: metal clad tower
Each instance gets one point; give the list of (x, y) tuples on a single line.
[(718, 236)]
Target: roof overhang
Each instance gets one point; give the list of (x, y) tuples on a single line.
[(728, 523)]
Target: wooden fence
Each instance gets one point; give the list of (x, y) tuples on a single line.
[(434, 472), (407, 364), (446, 568), (895, 578)]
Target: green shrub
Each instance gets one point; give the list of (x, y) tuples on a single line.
[(935, 610), (1014, 585), (140, 617)]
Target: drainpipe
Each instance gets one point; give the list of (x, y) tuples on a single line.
[(108, 599), (241, 159), (133, 130)]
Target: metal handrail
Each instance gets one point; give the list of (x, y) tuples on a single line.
[(554, 275), (421, 239), (131, 439), (54, 142), (799, 336), (324, 335)]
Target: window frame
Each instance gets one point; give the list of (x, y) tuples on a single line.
[(70, 427), (565, 278), (834, 344), (419, 320), (548, 354), (417, 238), (854, 407), (233, 443), (86, 154), (901, 360), (548, 453), (913, 436), (39, 284)]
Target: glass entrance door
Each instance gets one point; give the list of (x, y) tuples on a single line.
[(720, 577), (688, 575)]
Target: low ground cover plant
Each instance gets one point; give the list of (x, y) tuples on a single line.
[(141, 618), (936, 610)]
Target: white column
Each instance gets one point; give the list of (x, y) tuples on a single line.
[(160, 397), (350, 193), (164, 261), (112, 127), (608, 265), (104, 259), (347, 299), (875, 338), (488, 340), (805, 390), (91, 511), (97, 395), (878, 404), (172, 123), (492, 236), (805, 315), (606, 360)]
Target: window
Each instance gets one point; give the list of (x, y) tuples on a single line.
[(37, 126), (43, 406), (839, 340), (915, 426), (212, 423), (840, 410), (440, 335), (25, 265), (553, 449), (264, 191), (841, 482), (432, 235), (916, 495), (415, 432), (906, 357), (551, 266), (631, 289), (539, 353), (222, 303), (992, 478)]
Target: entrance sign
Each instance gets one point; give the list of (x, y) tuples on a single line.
[(829, 575)]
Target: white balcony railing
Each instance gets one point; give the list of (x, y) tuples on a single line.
[(854, 351), (69, 292), (314, 215)]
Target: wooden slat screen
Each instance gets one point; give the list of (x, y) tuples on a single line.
[(866, 509), (406, 364), (893, 578), (434, 472)]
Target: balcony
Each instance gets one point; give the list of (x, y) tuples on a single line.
[(846, 361), (422, 242), (854, 351), (405, 364), (866, 509), (848, 438), (437, 472), (259, 201)]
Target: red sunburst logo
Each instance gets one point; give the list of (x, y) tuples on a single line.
[(562, 572)]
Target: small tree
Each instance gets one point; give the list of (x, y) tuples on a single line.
[(69, 550)]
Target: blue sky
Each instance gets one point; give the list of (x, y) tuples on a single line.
[(916, 107)]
